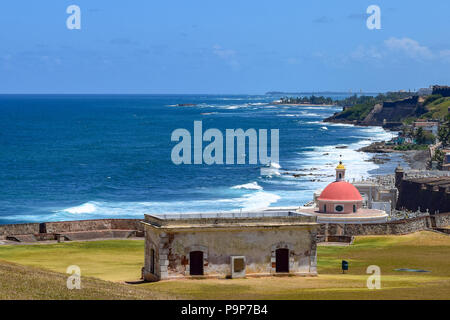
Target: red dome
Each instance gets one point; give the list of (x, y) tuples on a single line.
[(340, 190)]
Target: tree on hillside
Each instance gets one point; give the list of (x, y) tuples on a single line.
[(444, 133), (424, 137), (439, 158)]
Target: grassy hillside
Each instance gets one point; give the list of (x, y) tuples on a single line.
[(28, 283), (359, 107), (113, 260), (357, 112), (437, 109), (122, 260), (434, 107)]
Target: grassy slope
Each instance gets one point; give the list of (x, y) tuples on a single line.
[(28, 283), (114, 260), (122, 260), (438, 109), (357, 112)]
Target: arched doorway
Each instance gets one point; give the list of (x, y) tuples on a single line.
[(282, 260), (196, 263)]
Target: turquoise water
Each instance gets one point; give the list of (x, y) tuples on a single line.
[(84, 157)]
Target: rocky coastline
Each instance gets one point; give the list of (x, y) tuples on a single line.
[(416, 159)]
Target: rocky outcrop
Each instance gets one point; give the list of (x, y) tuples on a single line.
[(390, 114), (395, 111)]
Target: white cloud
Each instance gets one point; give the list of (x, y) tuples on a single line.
[(292, 61), (410, 47), (229, 56), (445, 54), (362, 53)]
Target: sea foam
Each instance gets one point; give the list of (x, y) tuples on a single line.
[(250, 186)]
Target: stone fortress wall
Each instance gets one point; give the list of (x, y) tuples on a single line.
[(125, 228), (397, 227), (73, 230)]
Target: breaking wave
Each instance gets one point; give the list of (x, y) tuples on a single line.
[(248, 186)]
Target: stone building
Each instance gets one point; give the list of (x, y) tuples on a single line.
[(377, 193), (442, 90), (214, 245)]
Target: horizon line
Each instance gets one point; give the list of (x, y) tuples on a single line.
[(211, 94)]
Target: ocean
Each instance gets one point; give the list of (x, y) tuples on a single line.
[(72, 157)]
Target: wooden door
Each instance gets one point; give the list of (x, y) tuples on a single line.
[(196, 263), (282, 260)]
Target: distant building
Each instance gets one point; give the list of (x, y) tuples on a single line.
[(430, 126), (446, 164), (442, 90), (425, 91)]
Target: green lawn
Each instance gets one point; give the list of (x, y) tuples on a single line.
[(438, 109), (119, 260), (113, 260)]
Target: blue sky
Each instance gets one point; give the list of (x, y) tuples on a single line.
[(211, 46)]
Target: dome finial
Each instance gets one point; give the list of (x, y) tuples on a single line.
[(340, 165), (340, 170)]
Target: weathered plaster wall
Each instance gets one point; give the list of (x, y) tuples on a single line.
[(152, 241), (257, 245)]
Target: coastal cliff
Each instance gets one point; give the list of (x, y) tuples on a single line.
[(387, 113), (393, 109)]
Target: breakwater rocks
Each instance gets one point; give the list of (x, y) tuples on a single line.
[(376, 147)]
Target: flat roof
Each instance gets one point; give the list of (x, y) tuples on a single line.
[(265, 218)]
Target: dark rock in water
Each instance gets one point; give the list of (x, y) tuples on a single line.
[(341, 147), (297, 175), (379, 160), (376, 147), (186, 104)]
